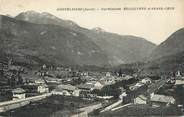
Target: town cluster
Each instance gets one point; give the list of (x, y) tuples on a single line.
[(21, 83)]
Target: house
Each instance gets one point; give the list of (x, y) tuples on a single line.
[(39, 81), (31, 78), (44, 66), (96, 84), (51, 80), (108, 74), (161, 100), (179, 82), (32, 88), (118, 79), (123, 96), (85, 91), (122, 89), (15, 68), (84, 74), (18, 93), (134, 87), (179, 79), (137, 86), (66, 90), (141, 99), (108, 81), (178, 74), (172, 80), (43, 88), (105, 97), (86, 87), (146, 81), (128, 77)]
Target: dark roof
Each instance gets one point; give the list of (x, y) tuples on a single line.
[(18, 90), (30, 76), (33, 86), (66, 87), (85, 86)]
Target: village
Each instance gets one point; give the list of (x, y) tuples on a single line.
[(105, 93)]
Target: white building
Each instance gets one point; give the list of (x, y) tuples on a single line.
[(108, 74), (96, 84), (43, 88), (18, 93), (122, 96), (36, 88), (108, 81), (39, 81), (159, 100), (146, 81), (66, 90), (141, 99)]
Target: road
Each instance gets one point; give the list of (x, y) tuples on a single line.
[(13, 104)]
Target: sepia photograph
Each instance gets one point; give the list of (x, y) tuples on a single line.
[(91, 58)]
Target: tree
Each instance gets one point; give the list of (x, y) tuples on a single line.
[(96, 112), (110, 90), (120, 72), (2, 69)]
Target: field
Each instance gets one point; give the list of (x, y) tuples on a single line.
[(53, 106)]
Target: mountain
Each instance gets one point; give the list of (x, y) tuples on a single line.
[(45, 18), (122, 49), (119, 48), (165, 65), (173, 45), (35, 43), (168, 56)]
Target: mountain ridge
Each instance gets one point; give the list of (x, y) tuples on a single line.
[(168, 57), (49, 43), (172, 45), (119, 48)]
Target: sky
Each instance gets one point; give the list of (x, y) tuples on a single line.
[(163, 18)]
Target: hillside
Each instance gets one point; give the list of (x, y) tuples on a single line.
[(45, 18), (168, 56), (119, 48), (122, 49), (35, 43), (165, 65), (173, 45)]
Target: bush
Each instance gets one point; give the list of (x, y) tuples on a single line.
[(96, 112)]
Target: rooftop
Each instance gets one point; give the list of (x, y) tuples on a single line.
[(18, 90), (162, 98), (85, 86), (143, 97), (66, 87)]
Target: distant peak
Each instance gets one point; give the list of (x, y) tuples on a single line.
[(45, 18), (71, 22), (31, 12), (46, 14), (98, 30), (8, 15)]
